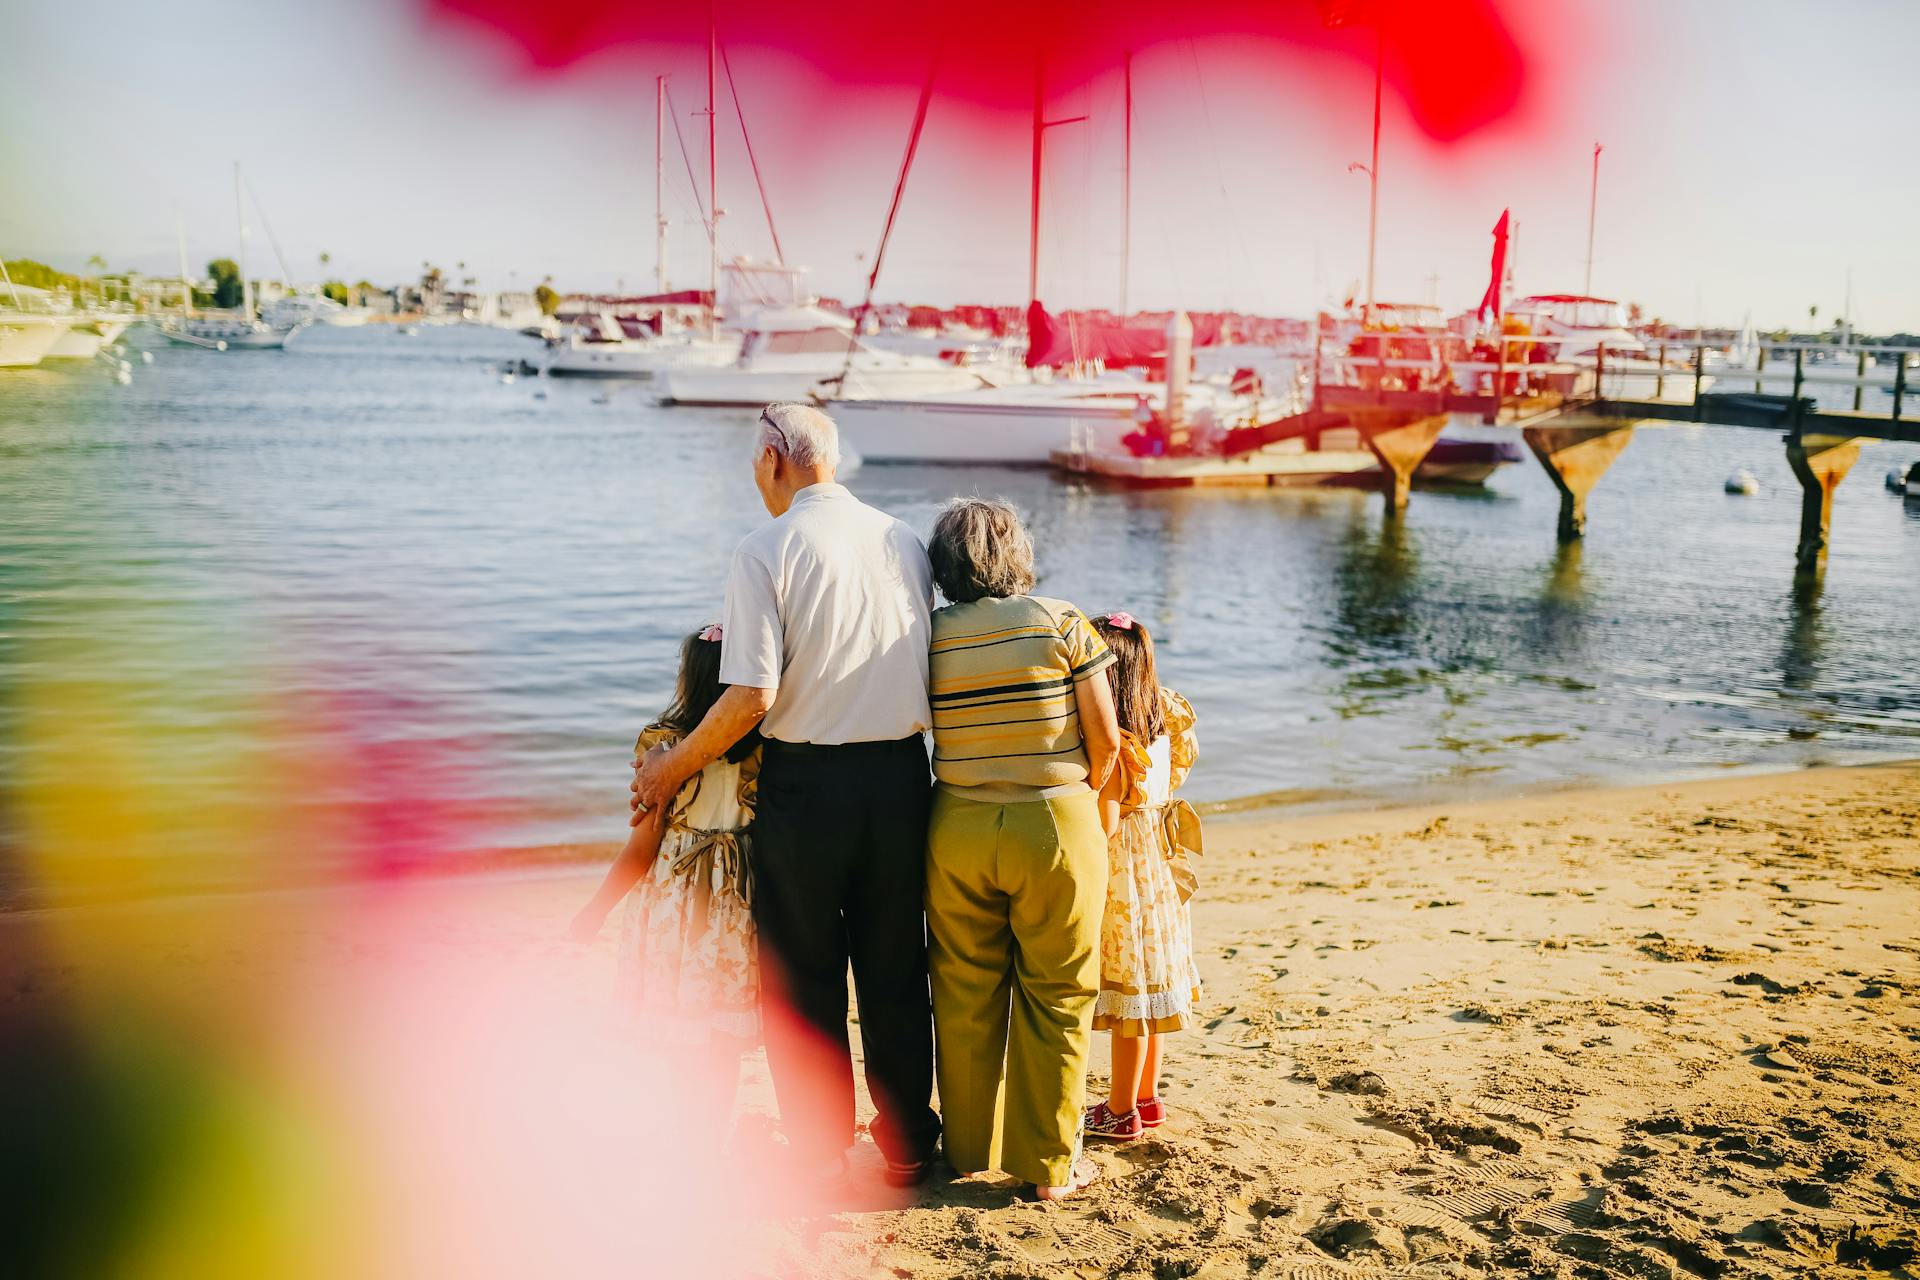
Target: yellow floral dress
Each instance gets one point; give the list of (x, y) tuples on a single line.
[(1148, 980), (689, 964)]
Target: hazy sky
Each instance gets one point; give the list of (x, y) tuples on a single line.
[(1756, 151)]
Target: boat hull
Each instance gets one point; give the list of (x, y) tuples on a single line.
[(735, 387), (635, 361), (85, 340), (25, 342), (982, 434), (233, 335)]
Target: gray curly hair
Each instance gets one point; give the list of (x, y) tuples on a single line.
[(979, 549)]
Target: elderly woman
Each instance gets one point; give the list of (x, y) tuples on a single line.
[(1023, 737)]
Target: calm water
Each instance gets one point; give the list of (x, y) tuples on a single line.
[(242, 570)]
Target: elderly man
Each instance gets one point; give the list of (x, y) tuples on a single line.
[(824, 646)]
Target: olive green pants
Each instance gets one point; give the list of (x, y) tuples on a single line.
[(1015, 894)]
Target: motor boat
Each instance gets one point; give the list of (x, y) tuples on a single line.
[(26, 337), (1026, 422), (787, 352), (597, 347), (1593, 332), (297, 310)]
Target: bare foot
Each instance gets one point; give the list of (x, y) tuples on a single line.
[(1085, 1174)]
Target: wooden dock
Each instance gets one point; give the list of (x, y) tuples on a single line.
[(1576, 419)]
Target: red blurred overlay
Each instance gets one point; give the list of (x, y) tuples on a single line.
[(1456, 63)]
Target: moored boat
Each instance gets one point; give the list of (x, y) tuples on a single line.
[(26, 337), (788, 352), (92, 331)]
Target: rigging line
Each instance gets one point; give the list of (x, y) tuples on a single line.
[(893, 211), (741, 115), (1220, 176), (266, 226), (693, 183)]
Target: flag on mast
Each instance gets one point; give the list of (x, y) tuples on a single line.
[(1491, 301)]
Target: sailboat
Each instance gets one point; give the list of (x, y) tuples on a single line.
[(241, 330), (1026, 417), (605, 350)]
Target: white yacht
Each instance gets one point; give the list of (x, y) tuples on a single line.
[(297, 310), (1580, 326), (591, 351), (1026, 423), (26, 337), (788, 351)]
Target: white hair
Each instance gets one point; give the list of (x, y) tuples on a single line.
[(801, 434)]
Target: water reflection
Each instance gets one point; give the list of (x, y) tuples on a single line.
[(1376, 585), (1804, 637)]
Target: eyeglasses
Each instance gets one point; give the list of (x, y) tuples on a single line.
[(778, 434)]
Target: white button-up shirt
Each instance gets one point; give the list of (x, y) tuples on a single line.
[(829, 605)]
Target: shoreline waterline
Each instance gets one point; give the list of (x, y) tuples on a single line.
[(577, 858)]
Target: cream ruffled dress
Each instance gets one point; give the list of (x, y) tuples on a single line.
[(1148, 980), (689, 964)]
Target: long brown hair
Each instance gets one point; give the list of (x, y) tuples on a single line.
[(699, 688), (1136, 684)]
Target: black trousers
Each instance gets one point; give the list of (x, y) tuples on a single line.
[(839, 862)]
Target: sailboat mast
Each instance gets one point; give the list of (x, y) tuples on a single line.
[(240, 214), (180, 242), (1593, 204), (659, 184), (1373, 170), (713, 195), (1126, 181), (1033, 221)]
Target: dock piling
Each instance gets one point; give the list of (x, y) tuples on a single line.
[(1575, 457), (1820, 463), (1401, 442)]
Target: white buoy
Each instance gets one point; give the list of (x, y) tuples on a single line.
[(1742, 481), (220, 345), (122, 377), (1897, 480), (146, 357), (506, 379)]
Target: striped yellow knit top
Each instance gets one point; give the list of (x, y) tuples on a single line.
[(1002, 675)]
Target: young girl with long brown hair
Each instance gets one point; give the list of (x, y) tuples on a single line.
[(1148, 980), (689, 966)]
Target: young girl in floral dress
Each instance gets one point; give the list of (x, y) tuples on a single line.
[(1148, 980), (688, 967)]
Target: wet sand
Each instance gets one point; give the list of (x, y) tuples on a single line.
[(1661, 1031)]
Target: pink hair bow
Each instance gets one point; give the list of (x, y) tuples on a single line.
[(1124, 621), (712, 633)]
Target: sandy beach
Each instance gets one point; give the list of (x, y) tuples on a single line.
[(1662, 1031)]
